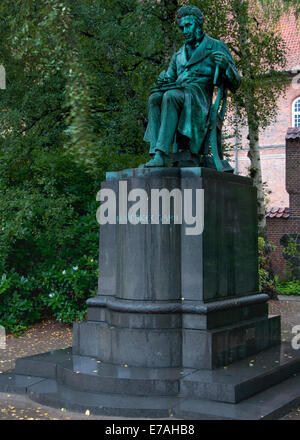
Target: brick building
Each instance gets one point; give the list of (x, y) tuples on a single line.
[(280, 154), (284, 223)]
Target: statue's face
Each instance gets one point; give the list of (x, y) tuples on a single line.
[(189, 28)]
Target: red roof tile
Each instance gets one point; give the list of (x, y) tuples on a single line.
[(293, 133), (278, 212), (290, 31)]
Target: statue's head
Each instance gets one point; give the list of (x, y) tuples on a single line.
[(190, 21)]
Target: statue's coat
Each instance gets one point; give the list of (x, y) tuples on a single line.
[(195, 76)]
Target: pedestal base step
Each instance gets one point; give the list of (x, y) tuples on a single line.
[(59, 378), (270, 404)]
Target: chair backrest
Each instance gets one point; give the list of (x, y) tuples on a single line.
[(216, 119)]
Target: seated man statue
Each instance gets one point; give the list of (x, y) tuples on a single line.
[(182, 100)]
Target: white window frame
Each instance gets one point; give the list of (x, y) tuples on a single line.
[(294, 113)]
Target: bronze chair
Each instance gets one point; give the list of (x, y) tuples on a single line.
[(182, 157)]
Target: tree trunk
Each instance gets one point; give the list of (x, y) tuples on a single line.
[(255, 172), (241, 11)]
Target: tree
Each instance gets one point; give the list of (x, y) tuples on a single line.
[(47, 206), (120, 48)]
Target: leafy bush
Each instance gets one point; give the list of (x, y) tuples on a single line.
[(291, 287), (60, 291), (47, 226), (65, 290), (291, 253), (292, 256), (20, 303), (265, 274)]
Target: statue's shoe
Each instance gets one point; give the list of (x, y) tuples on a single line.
[(158, 161)]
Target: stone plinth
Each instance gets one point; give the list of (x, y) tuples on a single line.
[(168, 299)]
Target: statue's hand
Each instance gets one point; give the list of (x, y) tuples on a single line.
[(220, 59), (162, 79)]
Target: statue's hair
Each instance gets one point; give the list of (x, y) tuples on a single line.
[(190, 10)]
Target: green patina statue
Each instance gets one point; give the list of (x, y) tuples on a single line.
[(180, 109)]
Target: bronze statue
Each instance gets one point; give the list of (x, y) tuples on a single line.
[(180, 109)]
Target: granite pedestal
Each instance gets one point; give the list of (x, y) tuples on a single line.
[(178, 326), (168, 299)]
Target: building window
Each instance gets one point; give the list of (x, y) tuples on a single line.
[(296, 112)]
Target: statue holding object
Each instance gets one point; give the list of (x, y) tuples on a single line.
[(180, 108)]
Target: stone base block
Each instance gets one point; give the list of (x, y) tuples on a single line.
[(156, 348), (223, 346), (175, 347)]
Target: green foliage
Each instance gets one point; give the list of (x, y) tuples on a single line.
[(121, 47), (292, 255), (291, 287), (269, 283), (48, 225), (66, 290), (57, 292), (78, 76), (266, 279), (20, 303)]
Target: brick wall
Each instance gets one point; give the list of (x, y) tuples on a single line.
[(272, 149), (293, 173), (273, 172), (278, 222), (275, 133), (276, 228)]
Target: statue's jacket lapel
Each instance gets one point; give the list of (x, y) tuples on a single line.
[(202, 52)]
